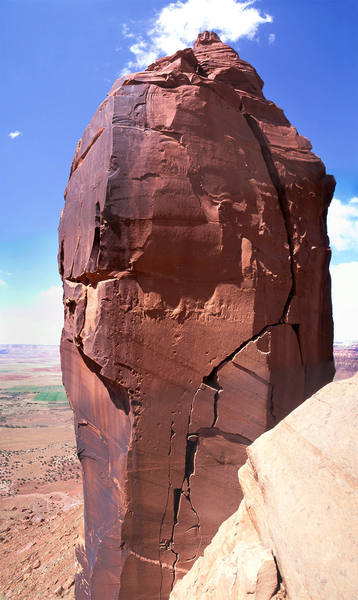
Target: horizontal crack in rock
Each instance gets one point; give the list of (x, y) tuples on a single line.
[(207, 432)]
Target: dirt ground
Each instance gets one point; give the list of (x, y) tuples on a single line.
[(40, 482)]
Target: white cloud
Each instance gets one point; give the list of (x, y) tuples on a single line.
[(343, 224), (14, 134), (126, 31), (144, 53), (2, 283), (345, 301), (343, 233), (272, 38), (38, 322), (178, 24)]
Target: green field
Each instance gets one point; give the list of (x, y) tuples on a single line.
[(55, 395), (50, 393)]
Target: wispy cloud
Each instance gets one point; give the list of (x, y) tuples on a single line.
[(126, 32), (14, 134), (178, 24), (38, 322), (345, 301), (3, 283), (272, 38), (343, 224), (54, 292)]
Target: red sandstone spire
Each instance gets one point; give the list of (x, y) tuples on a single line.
[(195, 262)]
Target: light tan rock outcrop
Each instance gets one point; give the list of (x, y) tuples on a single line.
[(235, 566), (300, 492), (300, 486)]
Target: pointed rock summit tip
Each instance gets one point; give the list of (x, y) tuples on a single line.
[(217, 60), (207, 37)]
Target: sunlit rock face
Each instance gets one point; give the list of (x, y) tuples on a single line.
[(194, 257)]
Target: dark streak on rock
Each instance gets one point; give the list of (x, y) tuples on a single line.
[(207, 432), (76, 163), (282, 199), (296, 329), (93, 259), (117, 393)]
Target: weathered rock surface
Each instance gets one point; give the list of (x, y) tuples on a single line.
[(194, 256), (235, 566), (300, 485), (300, 509)]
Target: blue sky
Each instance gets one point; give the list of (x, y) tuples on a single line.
[(60, 57)]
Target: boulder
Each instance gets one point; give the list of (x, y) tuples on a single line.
[(300, 485)]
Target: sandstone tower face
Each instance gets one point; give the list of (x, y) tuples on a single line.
[(194, 258)]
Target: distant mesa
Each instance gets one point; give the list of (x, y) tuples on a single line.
[(194, 258), (346, 359)]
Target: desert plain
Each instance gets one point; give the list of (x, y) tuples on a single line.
[(40, 483)]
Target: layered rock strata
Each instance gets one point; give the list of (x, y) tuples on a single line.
[(297, 526), (194, 257)]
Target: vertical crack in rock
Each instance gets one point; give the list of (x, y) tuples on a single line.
[(78, 338), (172, 434), (83, 278), (174, 570), (93, 259), (191, 449), (61, 259), (282, 199), (216, 400), (279, 577), (190, 452), (212, 382), (176, 503), (296, 329), (192, 443), (272, 406), (163, 544), (166, 544)]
